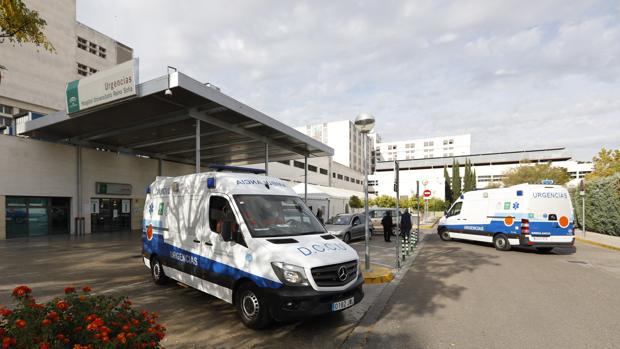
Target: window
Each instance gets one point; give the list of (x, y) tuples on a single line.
[(221, 215), (339, 176), (445, 142), (451, 141), (81, 43), (323, 171), (287, 162), (333, 174), (392, 147), (455, 210), (82, 69), (298, 164), (276, 215), (92, 70), (5, 109), (102, 52)]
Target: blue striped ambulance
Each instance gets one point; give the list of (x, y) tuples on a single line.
[(534, 215), (249, 240)]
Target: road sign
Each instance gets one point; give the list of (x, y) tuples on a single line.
[(425, 182), (427, 193)]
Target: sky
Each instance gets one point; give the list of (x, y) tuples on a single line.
[(515, 74)]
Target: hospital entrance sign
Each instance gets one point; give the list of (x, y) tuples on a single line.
[(116, 83)]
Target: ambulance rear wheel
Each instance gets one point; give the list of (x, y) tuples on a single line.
[(157, 272), (251, 306), (501, 243), (444, 235)]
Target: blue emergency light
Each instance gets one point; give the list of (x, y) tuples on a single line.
[(547, 181), (211, 182)]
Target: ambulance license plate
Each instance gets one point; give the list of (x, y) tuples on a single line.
[(343, 304), (542, 238)]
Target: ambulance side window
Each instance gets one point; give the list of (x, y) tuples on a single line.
[(219, 213), (456, 209)]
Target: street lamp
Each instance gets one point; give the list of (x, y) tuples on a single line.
[(364, 123)]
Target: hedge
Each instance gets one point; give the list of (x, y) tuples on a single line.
[(602, 205)]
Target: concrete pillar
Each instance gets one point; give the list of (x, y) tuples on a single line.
[(2, 217)]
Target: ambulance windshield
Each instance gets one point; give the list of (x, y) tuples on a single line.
[(275, 215)]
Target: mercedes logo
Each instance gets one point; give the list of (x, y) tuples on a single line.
[(342, 273)]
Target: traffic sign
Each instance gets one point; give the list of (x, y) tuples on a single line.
[(427, 193)]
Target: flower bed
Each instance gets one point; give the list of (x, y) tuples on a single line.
[(77, 320)]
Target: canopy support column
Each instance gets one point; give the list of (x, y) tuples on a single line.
[(306, 179), (266, 159), (197, 146)]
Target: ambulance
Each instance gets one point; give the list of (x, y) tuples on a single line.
[(249, 240), (534, 215)]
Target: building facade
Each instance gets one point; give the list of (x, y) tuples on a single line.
[(490, 168), (343, 137), (423, 148), (35, 79)]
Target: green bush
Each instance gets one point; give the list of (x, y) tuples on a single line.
[(602, 205)]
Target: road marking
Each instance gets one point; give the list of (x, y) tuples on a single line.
[(123, 287)]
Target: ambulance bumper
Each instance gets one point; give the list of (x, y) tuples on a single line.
[(289, 303), (552, 241)]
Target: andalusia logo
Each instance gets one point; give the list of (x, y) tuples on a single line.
[(149, 232)]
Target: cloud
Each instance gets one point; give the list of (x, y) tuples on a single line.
[(514, 76)]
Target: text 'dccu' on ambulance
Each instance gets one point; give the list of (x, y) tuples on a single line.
[(535, 215), (251, 241)]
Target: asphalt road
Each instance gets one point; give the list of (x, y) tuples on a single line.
[(469, 295)]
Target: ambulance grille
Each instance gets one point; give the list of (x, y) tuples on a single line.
[(327, 276)]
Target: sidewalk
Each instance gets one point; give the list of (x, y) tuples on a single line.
[(601, 240)]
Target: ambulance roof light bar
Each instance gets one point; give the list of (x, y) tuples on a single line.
[(220, 168)]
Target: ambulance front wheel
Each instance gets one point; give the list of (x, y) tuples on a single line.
[(252, 306), (500, 241), (157, 272)]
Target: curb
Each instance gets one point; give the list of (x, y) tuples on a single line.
[(378, 275), (358, 337), (598, 244)]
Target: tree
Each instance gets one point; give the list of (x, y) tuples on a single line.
[(606, 164), (446, 185), (385, 201), (19, 24), (355, 202), (469, 179), (456, 180), (533, 174)]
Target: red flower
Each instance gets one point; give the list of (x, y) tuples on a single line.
[(46, 322), (62, 305), (60, 336), (2, 331), (44, 345), (21, 291), (5, 312), (20, 323), (86, 289), (69, 289)]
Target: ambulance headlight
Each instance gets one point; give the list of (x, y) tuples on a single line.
[(289, 274)]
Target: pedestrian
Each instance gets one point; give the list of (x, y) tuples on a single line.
[(387, 224), (319, 216), (405, 223)]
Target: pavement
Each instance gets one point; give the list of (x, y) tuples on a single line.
[(601, 240), (469, 295), (112, 264)]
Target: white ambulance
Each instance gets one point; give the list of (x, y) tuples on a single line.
[(535, 215), (251, 241)]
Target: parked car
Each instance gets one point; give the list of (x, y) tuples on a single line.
[(376, 214), (348, 226)]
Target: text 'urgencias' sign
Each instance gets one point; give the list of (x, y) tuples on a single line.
[(106, 86)]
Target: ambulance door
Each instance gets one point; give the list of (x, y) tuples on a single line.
[(227, 257)]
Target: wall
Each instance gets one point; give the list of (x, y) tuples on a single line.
[(37, 168), (2, 217)]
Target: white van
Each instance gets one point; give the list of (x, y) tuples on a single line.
[(249, 240), (534, 215)]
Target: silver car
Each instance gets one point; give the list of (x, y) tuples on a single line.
[(348, 226)]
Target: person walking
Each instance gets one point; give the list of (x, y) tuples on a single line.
[(405, 223), (387, 224), (319, 216)]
